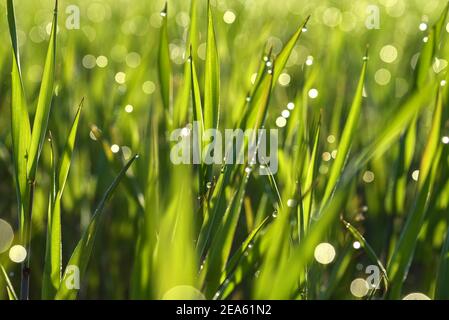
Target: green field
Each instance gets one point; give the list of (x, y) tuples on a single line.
[(92, 207)]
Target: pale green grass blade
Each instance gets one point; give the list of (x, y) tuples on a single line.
[(198, 117), (52, 266), (11, 292), (347, 137), (164, 64), (175, 260), (66, 157), (181, 110), (211, 76), (284, 55), (391, 130), (429, 50), (83, 251), (433, 141), (309, 180), (44, 101)]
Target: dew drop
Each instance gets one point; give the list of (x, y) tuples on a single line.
[(292, 203), (416, 296), (324, 253), (423, 26), (359, 287), (115, 148), (285, 114), (17, 254)]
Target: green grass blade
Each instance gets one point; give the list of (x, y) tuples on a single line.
[(164, 65), (442, 283), (403, 254), (20, 123), (83, 251), (66, 157), (284, 55), (259, 108), (237, 256), (368, 249), (11, 292), (53, 264), (310, 177), (221, 245), (212, 76), (347, 137), (429, 50), (199, 118), (44, 101)]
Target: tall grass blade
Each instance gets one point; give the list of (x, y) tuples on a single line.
[(44, 101), (83, 251)]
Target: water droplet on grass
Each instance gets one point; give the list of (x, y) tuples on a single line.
[(17, 254), (6, 235)]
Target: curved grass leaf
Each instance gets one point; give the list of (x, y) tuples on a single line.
[(368, 249), (83, 251), (237, 256), (346, 137), (284, 55)]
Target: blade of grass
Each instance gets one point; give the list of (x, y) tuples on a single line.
[(442, 283), (284, 55), (20, 123), (403, 254), (346, 137), (212, 76), (44, 101), (83, 251), (53, 259), (11, 292), (368, 249), (164, 65)]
